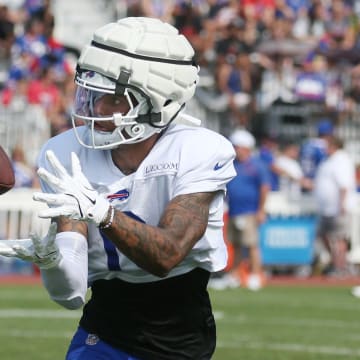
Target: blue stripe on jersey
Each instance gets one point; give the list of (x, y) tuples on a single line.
[(112, 255), (110, 249), (133, 216)]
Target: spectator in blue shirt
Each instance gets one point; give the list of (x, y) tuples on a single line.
[(246, 194), (313, 150), (268, 152)]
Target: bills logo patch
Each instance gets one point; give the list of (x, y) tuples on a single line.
[(119, 195)]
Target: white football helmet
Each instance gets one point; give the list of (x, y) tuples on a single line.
[(143, 60)]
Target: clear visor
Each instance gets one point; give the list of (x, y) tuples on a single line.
[(98, 104), (95, 100)]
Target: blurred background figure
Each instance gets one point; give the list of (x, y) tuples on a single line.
[(352, 94), (313, 150), (234, 80), (291, 176), (311, 81), (268, 152), (246, 195), (334, 191), (25, 175)]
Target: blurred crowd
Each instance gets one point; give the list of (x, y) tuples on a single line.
[(35, 69), (252, 54), (258, 52), (34, 65)]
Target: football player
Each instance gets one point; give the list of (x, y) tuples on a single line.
[(136, 198)]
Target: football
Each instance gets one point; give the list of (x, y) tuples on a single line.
[(7, 177)]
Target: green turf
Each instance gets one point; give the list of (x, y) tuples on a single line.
[(276, 323), (292, 323)]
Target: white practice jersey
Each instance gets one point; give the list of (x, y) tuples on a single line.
[(184, 160)]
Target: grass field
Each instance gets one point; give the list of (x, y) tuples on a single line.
[(277, 323)]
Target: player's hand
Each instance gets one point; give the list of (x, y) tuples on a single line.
[(74, 196), (40, 251)]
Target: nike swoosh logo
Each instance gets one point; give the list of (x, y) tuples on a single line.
[(90, 199), (93, 201), (218, 166)]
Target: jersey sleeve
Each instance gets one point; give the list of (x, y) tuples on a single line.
[(206, 165)]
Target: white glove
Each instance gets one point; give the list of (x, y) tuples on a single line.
[(42, 252), (74, 196)]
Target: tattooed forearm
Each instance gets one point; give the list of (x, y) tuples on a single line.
[(159, 249)]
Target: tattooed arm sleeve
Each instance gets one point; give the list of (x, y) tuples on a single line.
[(159, 249)]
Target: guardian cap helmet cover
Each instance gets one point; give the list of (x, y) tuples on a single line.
[(142, 72)]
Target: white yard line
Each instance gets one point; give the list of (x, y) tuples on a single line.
[(4, 295), (39, 313), (326, 350), (243, 319), (244, 341), (46, 334)]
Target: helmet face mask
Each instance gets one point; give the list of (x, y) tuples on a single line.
[(143, 70), (96, 104)]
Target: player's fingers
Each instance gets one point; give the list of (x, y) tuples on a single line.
[(37, 242), (77, 171), (15, 247), (22, 252), (75, 164), (55, 212), (51, 234), (56, 165), (6, 250), (50, 199), (53, 181), (52, 230)]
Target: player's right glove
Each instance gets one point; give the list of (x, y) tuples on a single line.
[(41, 251), (73, 196)]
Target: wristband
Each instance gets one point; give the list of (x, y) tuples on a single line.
[(109, 219)]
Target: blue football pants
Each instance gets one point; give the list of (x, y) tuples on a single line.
[(85, 346)]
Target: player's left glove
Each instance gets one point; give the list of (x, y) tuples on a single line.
[(41, 251), (74, 196)]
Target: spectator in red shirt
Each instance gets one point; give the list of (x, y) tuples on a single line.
[(43, 91)]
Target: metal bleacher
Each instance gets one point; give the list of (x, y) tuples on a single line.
[(81, 18), (25, 126), (19, 215)]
